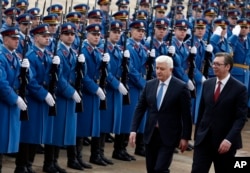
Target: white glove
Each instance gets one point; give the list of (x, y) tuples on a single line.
[(148, 39), (126, 54), (171, 50), (106, 57), (236, 30), (190, 85), (209, 48), (21, 104), (76, 97), (49, 100), (203, 79), (122, 89), (100, 94), (189, 31), (193, 50), (152, 53), (218, 30), (81, 58), (25, 63), (56, 60)]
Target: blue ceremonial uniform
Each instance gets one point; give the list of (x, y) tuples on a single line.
[(88, 123), (66, 117), (19, 49), (10, 113), (137, 80), (111, 118), (220, 45), (39, 128)]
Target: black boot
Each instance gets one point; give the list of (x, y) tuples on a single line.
[(48, 165), (56, 156), (79, 154), (109, 138), (119, 152), (140, 146), (40, 149), (125, 144), (22, 158), (32, 154), (1, 162), (102, 145), (86, 141), (95, 156), (71, 155)]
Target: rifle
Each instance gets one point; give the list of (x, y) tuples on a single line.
[(70, 8), (125, 70), (1, 16), (104, 73), (207, 59), (136, 9), (80, 72), (23, 79), (36, 4), (189, 10), (53, 75), (150, 17), (191, 62), (41, 17), (170, 35), (65, 12)]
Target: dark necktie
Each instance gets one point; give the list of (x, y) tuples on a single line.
[(217, 92)]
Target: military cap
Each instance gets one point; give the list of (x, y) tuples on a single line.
[(122, 3), (243, 22), (95, 14), (121, 15), (242, 5), (200, 22), (68, 27), (94, 28), (141, 15), (198, 7), (144, 2), (213, 3), (181, 24), (161, 7), (103, 2), (22, 4), (51, 19), (178, 8), (247, 13), (55, 8), (5, 3), (73, 16), (229, 5), (162, 2), (24, 18), (138, 24), (233, 13), (11, 11), (10, 32), (221, 22), (210, 12), (40, 29), (161, 23), (116, 25), (82, 8), (34, 11)]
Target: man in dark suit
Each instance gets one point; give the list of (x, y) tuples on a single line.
[(222, 115), (167, 102)]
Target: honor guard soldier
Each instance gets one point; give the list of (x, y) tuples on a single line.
[(56, 9), (122, 4), (88, 123), (75, 18), (232, 17), (218, 39), (24, 22), (5, 3), (136, 82), (39, 127), (95, 17), (162, 2), (22, 5), (10, 102), (160, 10), (83, 9), (197, 12), (11, 14), (209, 15), (111, 118), (240, 43), (145, 5), (35, 17)]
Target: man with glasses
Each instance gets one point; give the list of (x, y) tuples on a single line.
[(240, 43), (222, 115)]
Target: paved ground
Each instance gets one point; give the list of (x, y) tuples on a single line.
[(181, 163)]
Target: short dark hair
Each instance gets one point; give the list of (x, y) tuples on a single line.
[(228, 59)]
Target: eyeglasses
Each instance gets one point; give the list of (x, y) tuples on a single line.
[(69, 33), (216, 64)]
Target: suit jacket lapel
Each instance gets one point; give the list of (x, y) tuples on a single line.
[(155, 93), (170, 89)]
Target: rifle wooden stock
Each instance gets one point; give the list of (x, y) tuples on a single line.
[(22, 92), (191, 60), (104, 74)]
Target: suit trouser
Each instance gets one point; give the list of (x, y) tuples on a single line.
[(205, 153), (158, 155)]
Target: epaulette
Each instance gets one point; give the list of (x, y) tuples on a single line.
[(39, 53), (8, 55), (100, 49), (110, 47), (65, 52), (89, 48)]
